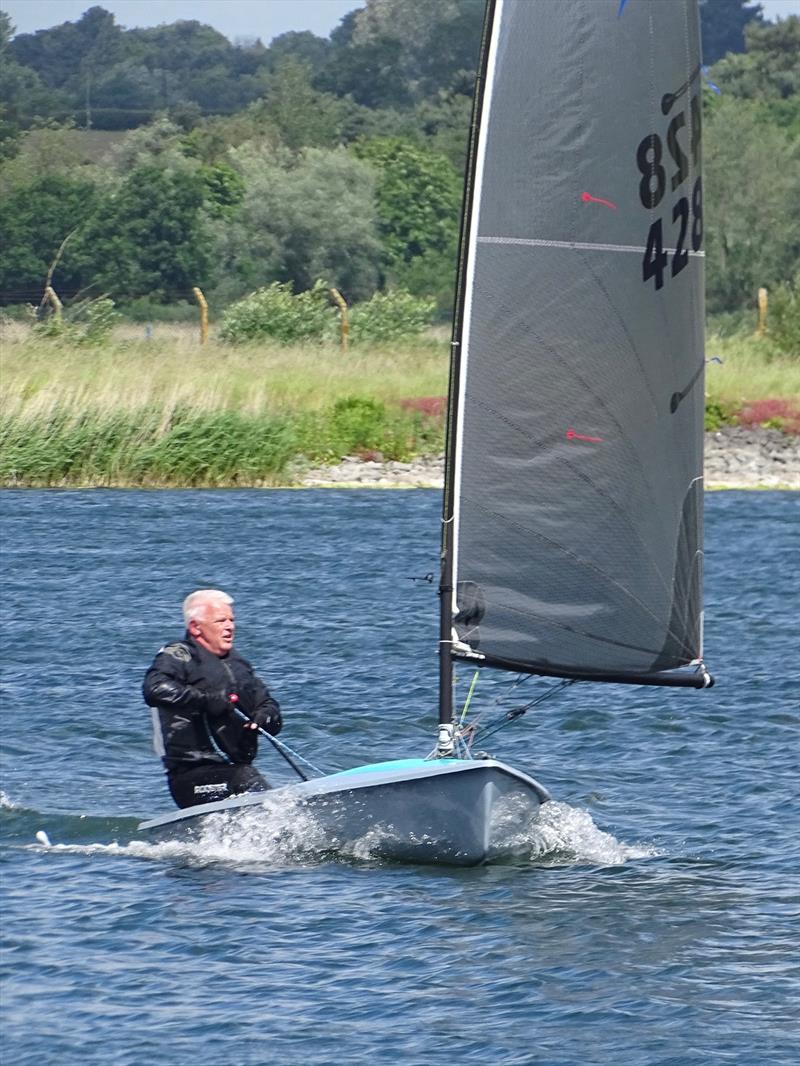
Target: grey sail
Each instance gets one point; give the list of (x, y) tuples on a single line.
[(576, 436)]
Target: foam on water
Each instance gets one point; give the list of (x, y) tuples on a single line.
[(273, 834)]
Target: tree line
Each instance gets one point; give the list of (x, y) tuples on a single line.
[(144, 162)]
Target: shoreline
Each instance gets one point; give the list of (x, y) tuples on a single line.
[(741, 458), (735, 458)]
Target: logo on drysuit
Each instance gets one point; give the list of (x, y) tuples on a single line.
[(179, 652), (203, 790)]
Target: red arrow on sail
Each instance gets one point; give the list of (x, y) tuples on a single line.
[(572, 435), (589, 199)]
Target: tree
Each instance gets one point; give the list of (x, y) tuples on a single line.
[(394, 53), (34, 221), (303, 216), (23, 97), (67, 56), (303, 46), (722, 25), (147, 237), (302, 116), (752, 183), (418, 198), (768, 72)]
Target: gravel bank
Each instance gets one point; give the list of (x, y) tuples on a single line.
[(735, 459)]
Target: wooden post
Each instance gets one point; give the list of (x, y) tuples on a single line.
[(345, 325), (198, 295), (762, 313), (52, 298)]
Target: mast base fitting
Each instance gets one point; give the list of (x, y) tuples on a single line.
[(445, 741)]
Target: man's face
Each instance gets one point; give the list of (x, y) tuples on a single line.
[(214, 627)]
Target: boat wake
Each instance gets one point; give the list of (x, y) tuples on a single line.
[(567, 835), (275, 834)]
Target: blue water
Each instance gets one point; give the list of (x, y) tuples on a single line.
[(660, 926)]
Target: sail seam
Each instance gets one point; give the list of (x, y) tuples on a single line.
[(578, 246)]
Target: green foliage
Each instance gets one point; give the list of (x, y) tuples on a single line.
[(275, 312), (752, 184), (397, 53), (418, 199), (432, 275), (783, 319), (768, 73), (147, 236), (224, 189), (85, 322), (302, 116), (255, 186), (223, 447), (718, 415), (34, 221), (358, 425), (389, 316), (117, 78), (23, 96), (208, 449), (303, 216)]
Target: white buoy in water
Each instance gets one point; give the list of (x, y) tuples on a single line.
[(43, 838)]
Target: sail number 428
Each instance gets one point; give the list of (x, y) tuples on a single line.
[(687, 212)]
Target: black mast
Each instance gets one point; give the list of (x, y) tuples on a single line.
[(448, 501)]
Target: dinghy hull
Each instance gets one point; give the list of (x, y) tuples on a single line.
[(449, 811)]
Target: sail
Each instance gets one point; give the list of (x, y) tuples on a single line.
[(575, 446)]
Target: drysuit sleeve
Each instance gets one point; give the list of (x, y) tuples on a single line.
[(165, 684)]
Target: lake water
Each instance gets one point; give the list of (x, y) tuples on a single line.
[(661, 926)]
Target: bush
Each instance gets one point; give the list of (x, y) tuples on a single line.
[(87, 322), (718, 415), (360, 426), (388, 316), (783, 322), (276, 313)]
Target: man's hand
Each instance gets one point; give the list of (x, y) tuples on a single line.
[(269, 721)]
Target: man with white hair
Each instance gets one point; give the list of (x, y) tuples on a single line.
[(198, 689)]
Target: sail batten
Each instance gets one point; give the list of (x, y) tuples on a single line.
[(574, 475)]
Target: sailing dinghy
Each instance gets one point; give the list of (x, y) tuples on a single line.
[(573, 501)]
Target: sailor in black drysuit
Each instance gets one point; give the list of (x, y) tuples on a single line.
[(206, 747)]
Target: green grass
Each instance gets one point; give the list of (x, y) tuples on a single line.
[(166, 411)]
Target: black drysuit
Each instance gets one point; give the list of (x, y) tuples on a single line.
[(205, 748)]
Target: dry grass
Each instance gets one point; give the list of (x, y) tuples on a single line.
[(172, 370), (751, 370)]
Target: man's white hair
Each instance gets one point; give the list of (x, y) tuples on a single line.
[(195, 602)]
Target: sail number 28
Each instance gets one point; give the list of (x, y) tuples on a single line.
[(657, 172)]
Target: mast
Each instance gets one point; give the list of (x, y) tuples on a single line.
[(448, 499)]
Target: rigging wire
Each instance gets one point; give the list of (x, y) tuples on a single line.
[(517, 712)]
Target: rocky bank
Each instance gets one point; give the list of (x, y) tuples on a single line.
[(735, 458)]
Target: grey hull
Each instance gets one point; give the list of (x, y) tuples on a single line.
[(447, 811)]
